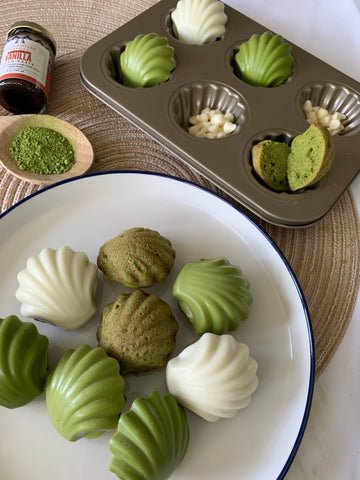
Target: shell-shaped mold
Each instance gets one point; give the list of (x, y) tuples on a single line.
[(146, 61), (137, 258), (58, 287), (84, 393), (198, 22), (213, 377), (151, 440), (190, 99), (213, 294), (139, 330), (264, 60), (23, 362)]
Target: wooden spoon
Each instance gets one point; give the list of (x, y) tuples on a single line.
[(10, 126)]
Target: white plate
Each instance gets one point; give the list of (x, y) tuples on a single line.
[(260, 442)]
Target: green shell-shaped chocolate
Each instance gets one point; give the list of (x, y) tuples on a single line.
[(84, 393), (213, 294), (151, 440), (146, 61), (137, 258), (264, 60), (139, 330), (23, 362)]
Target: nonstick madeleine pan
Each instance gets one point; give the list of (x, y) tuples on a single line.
[(205, 76)]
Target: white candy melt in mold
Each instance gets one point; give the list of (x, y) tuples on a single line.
[(197, 22), (58, 287), (213, 377)]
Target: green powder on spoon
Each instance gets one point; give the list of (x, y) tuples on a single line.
[(42, 150)]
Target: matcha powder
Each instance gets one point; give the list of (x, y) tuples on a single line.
[(42, 150)]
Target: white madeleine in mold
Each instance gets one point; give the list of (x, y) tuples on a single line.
[(213, 377), (58, 287), (197, 22)]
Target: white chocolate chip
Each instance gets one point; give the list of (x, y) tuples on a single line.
[(322, 113), (229, 117), (311, 117), (218, 119), (194, 129), (307, 107), (334, 124), (326, 120), (203, 117), (211, 124), (200, 134), (229, 127), (319, 115)]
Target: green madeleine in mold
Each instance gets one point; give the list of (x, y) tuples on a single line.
[(151, 440), (213, 294), (84, 393), (264, 60), (146, 61), (270, 161), (310, 158), (23, 362)]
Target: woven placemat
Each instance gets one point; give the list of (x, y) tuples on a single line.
[(324, 257)]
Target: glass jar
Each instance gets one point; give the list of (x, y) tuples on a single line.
[(26, 68)]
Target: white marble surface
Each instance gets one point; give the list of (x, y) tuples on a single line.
[(330, 449)]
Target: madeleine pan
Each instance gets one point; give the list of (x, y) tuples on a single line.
[(205, 77)]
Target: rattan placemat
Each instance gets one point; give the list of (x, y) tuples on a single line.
[(324, 257)]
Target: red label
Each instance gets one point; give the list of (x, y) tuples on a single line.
[(17, 56)]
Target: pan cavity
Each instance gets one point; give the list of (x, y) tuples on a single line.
[(327, 102), (192, 99)]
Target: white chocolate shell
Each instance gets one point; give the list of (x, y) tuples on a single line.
[(213, 377), (58, 287), (197, 22)]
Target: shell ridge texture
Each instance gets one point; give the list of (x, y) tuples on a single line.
[(78, 405)]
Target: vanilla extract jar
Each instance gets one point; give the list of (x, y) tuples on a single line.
[(26, 68)]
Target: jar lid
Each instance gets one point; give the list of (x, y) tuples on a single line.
[(34, 26)]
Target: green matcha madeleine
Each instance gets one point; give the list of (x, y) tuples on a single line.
[(139, 330), (23, 362), (151, 440), (84, 393), (136, 258), (270, 159), (310, 157), (213, 294)]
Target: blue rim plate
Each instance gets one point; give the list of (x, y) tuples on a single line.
[(261, 441)]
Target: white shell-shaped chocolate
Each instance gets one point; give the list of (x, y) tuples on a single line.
[(58, 287), (213, 377), (197, 22)]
